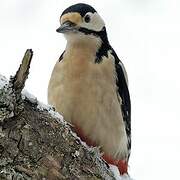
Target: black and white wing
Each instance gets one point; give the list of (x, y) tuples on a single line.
[(123, 92)]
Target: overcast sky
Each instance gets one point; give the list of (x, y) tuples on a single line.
[(146, 36)]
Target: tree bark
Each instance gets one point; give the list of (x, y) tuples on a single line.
[(35, 141)]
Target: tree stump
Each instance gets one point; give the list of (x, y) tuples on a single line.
[(35, 141)]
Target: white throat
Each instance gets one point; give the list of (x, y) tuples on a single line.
[(82, 41)]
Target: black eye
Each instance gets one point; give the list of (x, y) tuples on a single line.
[(87, 18)]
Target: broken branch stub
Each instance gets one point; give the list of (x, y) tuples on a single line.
[(18, 81)]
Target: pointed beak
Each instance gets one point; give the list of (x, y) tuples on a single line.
[(67, 26)]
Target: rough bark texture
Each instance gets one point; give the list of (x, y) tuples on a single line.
[(34, 144)]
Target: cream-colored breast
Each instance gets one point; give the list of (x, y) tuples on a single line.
[(85, 94)]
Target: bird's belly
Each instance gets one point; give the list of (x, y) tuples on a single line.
[(88, 99)]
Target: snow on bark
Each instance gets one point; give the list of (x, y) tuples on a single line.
[(3, 81)]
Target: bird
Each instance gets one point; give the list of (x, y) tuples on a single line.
[(89, 86)]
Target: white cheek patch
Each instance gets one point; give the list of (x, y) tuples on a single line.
[(96, 23)]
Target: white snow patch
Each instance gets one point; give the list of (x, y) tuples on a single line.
[(41, 106), (82, 142), (30, 97), (56, 115), (3, 81), (117, 175)]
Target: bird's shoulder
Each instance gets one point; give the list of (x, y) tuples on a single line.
[(104, 51)]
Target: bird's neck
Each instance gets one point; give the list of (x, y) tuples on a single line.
[(93, 46), (83, 47)]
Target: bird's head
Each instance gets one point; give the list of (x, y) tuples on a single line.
[(81, 23)]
